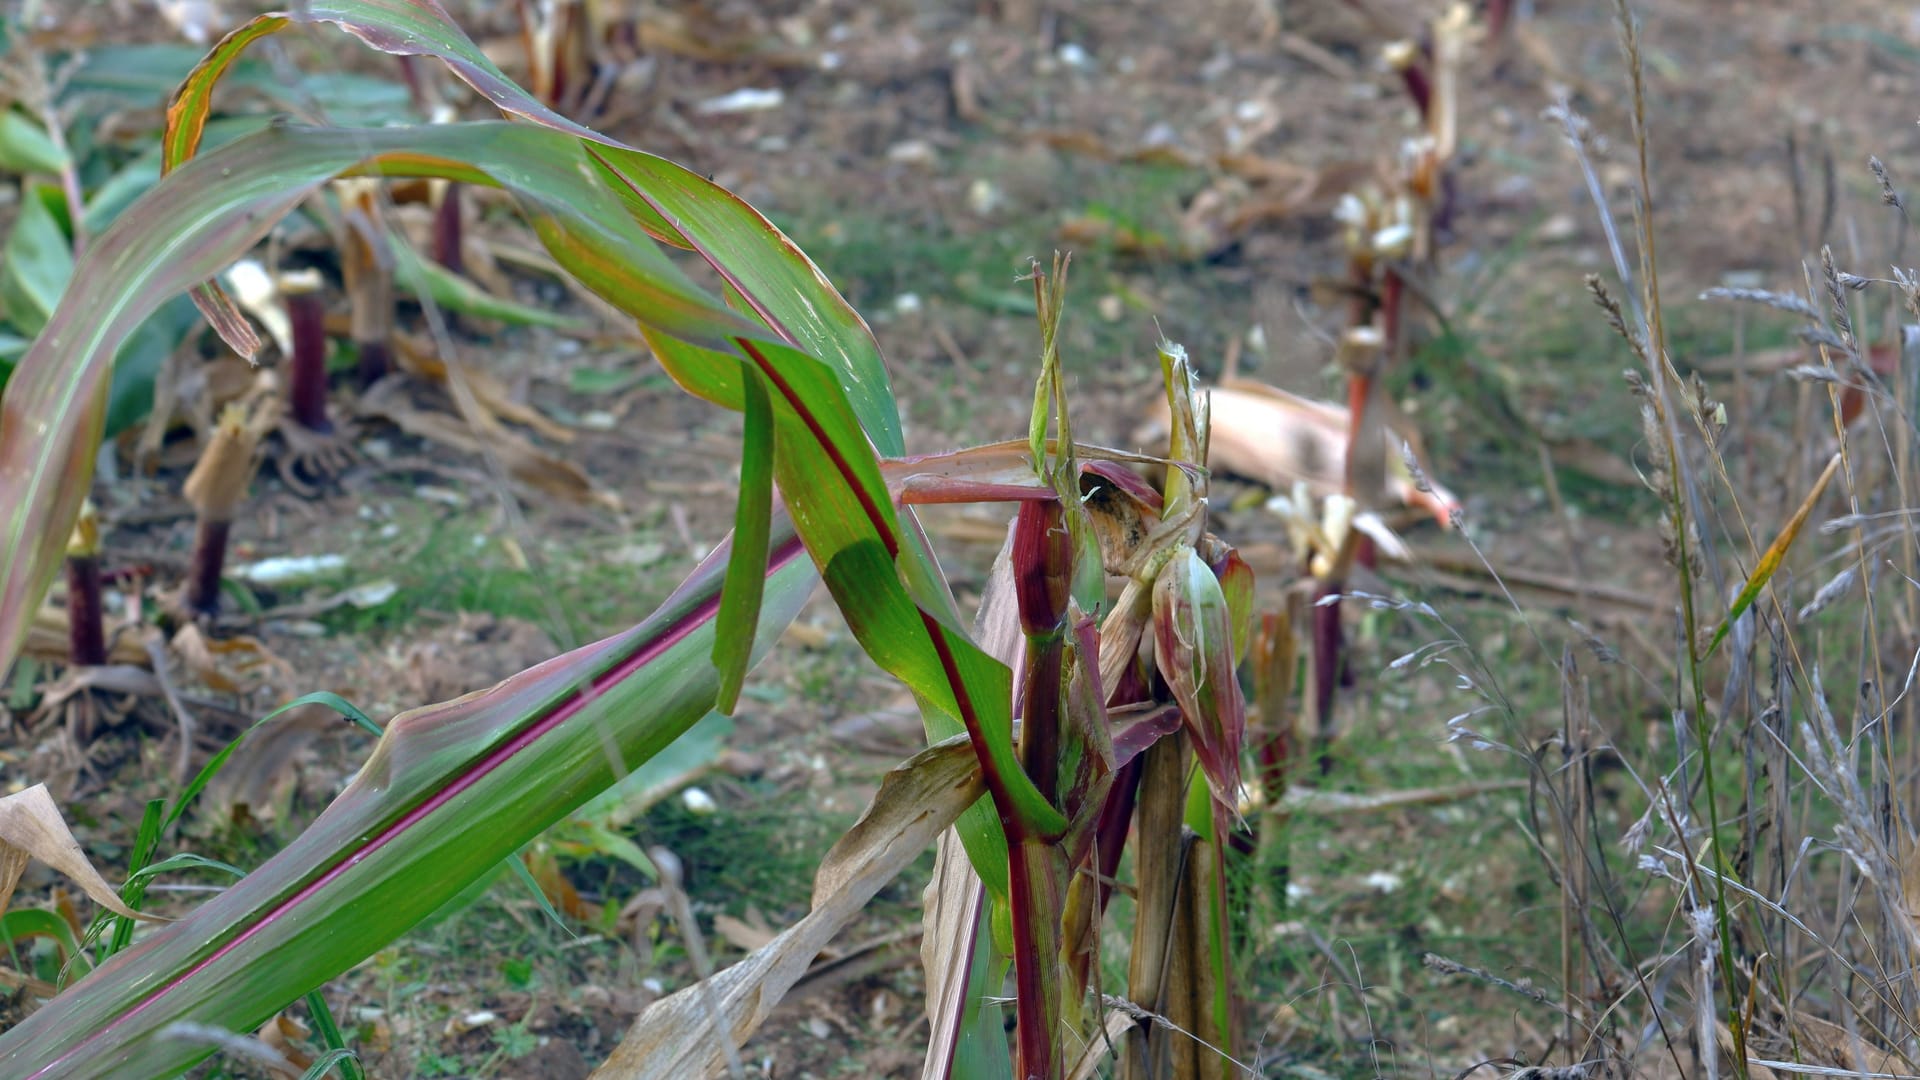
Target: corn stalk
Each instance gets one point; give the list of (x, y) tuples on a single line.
[(453, 789)]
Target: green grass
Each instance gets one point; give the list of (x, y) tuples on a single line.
[(574, 588), (761, 852)]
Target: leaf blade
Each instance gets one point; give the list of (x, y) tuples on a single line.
[(451, 791), (207, 213), (746, 569)]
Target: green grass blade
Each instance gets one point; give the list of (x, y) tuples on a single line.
[(186, 860), (525, 876), (344, 1059), (145, 840), (330, 1037), (213, 766)]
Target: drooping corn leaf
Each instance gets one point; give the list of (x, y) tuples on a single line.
[(768, 273), (679, 206), (960, 688), (740, 601), (832, 485), (450, 791), (424, 278), (400, 27), (105, 202), (189, 228)]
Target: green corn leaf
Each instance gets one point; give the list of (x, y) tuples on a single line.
[(206, 215), (881, 575), (746, 571), (1215, 987), (106, 202), (25, 147), (432, 281), (35, 266), (960, 688), (767, 273), (450, 791), (23, 924)]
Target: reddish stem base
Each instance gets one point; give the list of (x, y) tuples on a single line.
[(376, 360), (203, 574), (307, 374), (86, 634)]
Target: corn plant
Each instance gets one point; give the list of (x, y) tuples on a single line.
[(1130, 714)]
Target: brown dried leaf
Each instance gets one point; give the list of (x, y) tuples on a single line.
[(282, 1035), (741, 935), (523, 461), (1278, 439), (554, 885), (31, 827), (950, 911), (678, 1036), (1098, 1049), (261, 772), (417, 358)]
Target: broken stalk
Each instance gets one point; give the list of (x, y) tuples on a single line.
[(367, 257), (216, 487)]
